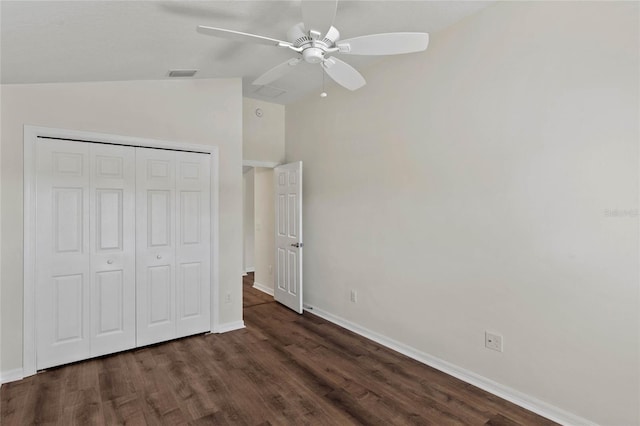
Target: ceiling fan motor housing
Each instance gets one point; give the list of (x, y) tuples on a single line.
[(313, 49)]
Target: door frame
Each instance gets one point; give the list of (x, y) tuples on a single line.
[(31, 134)]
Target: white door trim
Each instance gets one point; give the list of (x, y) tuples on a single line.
[(31, 134), (265, 164)]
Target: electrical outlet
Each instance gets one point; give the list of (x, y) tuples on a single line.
[(493, 341), (227, 298), (354, 296)]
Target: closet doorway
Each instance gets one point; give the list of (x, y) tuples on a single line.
[(120, 244)]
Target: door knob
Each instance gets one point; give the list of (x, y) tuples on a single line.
[(109, 262), (158, 257), (297, 245)]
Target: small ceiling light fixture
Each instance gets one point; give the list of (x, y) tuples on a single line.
[(182, 73)]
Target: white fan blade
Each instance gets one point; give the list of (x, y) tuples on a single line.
[(385, 44), (318, 15), (239, 36), (276, 72), (343, 73)]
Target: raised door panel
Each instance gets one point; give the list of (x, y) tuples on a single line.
[(193, 243), (113, 248), (159, 212), (68, 292), (280, 271), (155, 245), (190, 217), (68, 221), (160, 297), (191, 290), (109, 293), (62, 253), (109, 219), (292, 272)]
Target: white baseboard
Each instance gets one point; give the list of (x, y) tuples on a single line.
[(263, 288), (229, 326), (523, 400), (11, 375)]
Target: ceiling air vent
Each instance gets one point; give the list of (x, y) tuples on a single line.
[(182, 73), (269, 91)]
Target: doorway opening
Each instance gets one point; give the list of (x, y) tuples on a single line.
[(258, 228)]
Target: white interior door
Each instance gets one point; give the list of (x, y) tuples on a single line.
[(155, 245), (123, 248), (85, 252), (193, 243), (173, 244), (288, 190), (112, 240), (63, 255)]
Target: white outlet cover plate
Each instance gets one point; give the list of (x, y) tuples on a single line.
[(493, 341)]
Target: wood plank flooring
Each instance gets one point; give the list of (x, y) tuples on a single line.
[(251, 296), (283, 369)]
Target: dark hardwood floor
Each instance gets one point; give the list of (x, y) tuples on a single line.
[(251, 296), (283, 369)]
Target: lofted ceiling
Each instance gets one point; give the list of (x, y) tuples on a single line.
[(77, 41)]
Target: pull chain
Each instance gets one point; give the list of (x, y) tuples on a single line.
[(323, 94)]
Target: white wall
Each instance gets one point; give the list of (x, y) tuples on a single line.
[(248, 219), (207, 112), (467, 189), (1, 380), (263, 137), (264, 228)]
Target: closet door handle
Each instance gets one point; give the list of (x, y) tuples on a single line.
[(109, 262), (158, 257)]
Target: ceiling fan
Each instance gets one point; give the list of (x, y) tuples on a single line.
[(316, 40)]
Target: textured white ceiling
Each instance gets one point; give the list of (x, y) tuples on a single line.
[(74, 41)]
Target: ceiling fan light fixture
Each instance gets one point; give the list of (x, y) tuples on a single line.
[(313, 55), (307, 40)]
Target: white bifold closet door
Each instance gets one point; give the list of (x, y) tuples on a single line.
[(173, 248), (85, 304), (123, 248)]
